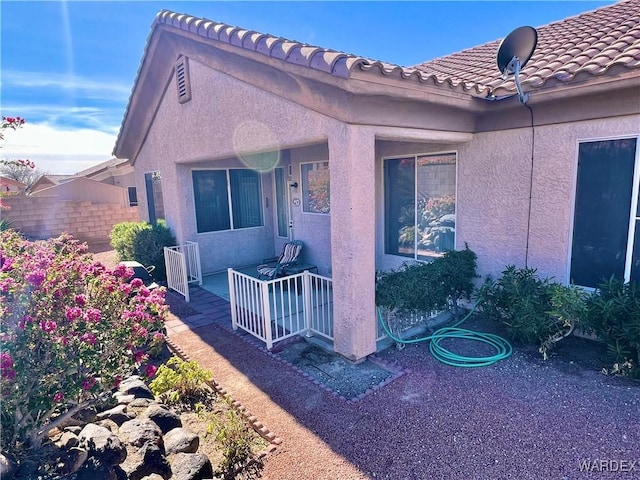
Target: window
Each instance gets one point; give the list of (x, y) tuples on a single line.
[(420, 205), (281, 202), (315, 187), (155, 201), (606, 218), (133, 196), (227, 199)]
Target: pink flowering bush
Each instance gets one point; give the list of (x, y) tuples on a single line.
[(70, 330)]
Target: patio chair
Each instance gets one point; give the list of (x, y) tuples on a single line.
[(274, 267)]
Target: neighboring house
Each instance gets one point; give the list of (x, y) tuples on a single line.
[(246, 132), (112, 181), (11, 186)]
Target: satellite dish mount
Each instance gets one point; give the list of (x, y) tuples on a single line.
[(514, 53)]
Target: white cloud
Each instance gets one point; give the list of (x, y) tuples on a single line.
[(91, 88), (58, 151)]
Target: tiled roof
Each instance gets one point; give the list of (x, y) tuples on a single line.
[(590, 44), (113, 162)]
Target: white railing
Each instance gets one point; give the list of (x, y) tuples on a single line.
[(273, 310), (183, 267)]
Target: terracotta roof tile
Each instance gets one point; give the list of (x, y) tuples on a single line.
[(587, 45), (591, 43)]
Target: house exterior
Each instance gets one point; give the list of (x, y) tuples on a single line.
[(10, 186), (108, 182), (256, 140)]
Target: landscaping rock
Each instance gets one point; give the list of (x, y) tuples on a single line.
[(95, 468), (148, 460), (134, 385), (141, 402), (123, 398), (75, 429), (165, 419), (153, 476), (67, 440), (117, 414), (102, 443), (137, 432), (73, 459), (181, 440), (7, 468), (191, 466)]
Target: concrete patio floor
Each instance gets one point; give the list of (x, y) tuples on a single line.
[(522, 418)]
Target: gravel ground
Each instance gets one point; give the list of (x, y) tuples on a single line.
[(522, 418)]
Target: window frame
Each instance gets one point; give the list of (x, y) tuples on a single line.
[(302, 189), (229, 200), (135, 192), (415, 157), (633, 214)]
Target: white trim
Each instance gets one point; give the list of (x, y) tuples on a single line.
[(633, 207), (229, 204), (633, 217), (415, 220)]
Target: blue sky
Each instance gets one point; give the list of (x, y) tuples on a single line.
[(68, 67)]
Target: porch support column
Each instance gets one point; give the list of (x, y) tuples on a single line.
[(352, 177)]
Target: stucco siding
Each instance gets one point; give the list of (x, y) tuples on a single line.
[(493, 193), (224, 121)]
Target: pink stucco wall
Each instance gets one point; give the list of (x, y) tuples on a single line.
[(493, 193)]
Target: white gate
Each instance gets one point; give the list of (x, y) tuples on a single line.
[(183, 267), (273, 310)]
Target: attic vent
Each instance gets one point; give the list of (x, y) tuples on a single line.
[(182, 80)]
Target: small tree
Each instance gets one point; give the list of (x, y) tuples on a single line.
[(70, 329)]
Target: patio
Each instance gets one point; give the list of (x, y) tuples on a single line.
[(521, 418)]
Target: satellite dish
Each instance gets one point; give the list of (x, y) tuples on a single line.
[(514, 53)]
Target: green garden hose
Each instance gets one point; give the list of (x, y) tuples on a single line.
[(503, 347)]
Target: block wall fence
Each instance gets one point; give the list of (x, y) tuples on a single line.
[(45, 217)]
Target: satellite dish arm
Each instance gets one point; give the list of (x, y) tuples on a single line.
[(514, 67)]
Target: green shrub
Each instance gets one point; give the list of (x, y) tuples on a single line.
[(143, 242), (613, 315), (180, 381), (534, 310), (236, 440), (422, 288)]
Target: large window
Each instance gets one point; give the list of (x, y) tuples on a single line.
[(605, 229), (420, 205), (227, 199), (315, 187)]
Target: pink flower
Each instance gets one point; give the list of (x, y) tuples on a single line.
[(140, 356), (88, 383), (144, 291), (125, 288), (80, 300), (158, 336), (136, 283), (48, 325), (72, 313), (150, 370), (6, 366), (58, 397), (5, 360), (63, 340), (117, 381), (122, 272), (88, 338), (35, 278), (92, 315)]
